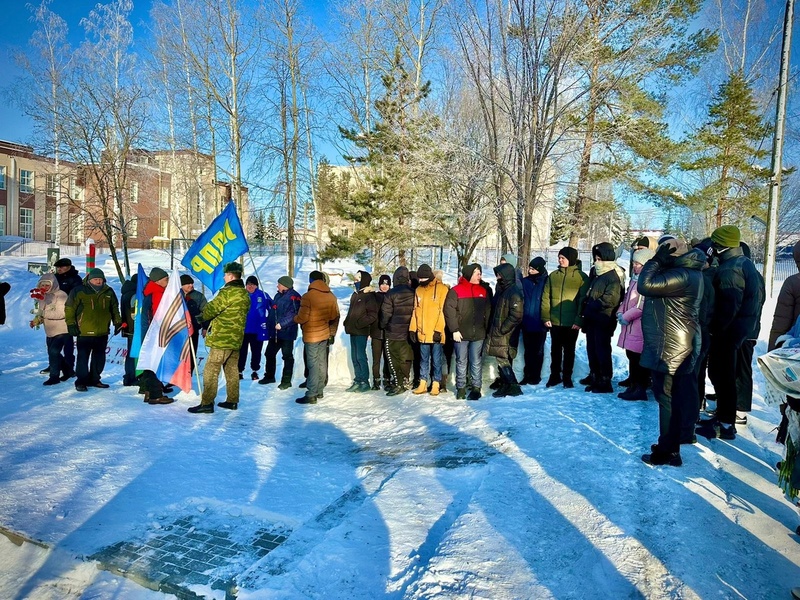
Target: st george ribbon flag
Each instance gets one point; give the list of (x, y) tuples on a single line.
[(166, 348), (221, 243)]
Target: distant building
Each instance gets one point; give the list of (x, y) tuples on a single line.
[(166, 195)]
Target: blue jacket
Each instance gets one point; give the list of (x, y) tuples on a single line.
[(284, 308), (533, 287), (260, 303)]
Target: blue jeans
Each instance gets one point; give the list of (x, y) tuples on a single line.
[(358, 354), (317, 363), (425, 352), (469, 354)]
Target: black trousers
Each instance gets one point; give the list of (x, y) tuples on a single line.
[(254, 345), (723, 361), (378, 354), (639, 375), (674, 396), (598, 349), (562, 345), (534, 354), (56, 346), (91, 359), (744, 376), (401, 357), (286, 348)]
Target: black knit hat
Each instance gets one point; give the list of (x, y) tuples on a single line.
[(604, 251), (643, 241), (252, 279), (385, 279), (538, 263), (424, 271), (316, 276), (470, 269), (570, 254), (186, 280), (365, 280)]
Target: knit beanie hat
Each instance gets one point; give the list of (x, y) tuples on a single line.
[(234, 267), (63, 262), (157, 274), (643, 255), (286, 281), (643, 241), (666, 237), (251, 280), (95, 274), (604, 251), (186, 280), (469, 270), (727, 236), (570, 253), (680, 246), (316, 276), (510, 259), (366, 279), (538, 263), (385, 279), (424, 271)]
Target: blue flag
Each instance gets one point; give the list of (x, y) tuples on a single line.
[(221, 243), (136, 309)]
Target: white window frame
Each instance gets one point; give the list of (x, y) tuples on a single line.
[(133, 227), (26, 223), (134, 192), (2, 177), (164, 196), (27, 180), (2, 220), (50, 226), (51, 184), (163, 228)]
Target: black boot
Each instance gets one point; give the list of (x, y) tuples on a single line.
[(636, 392), (495, 385), (510, 386), (602, 385), (588, 380), (554, 380)]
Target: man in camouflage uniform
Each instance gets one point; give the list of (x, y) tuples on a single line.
[(227, 313)]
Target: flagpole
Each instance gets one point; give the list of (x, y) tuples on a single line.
[(255, 269), (196, 366)]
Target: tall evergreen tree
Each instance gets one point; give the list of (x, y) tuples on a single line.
[(272, 231), (728, 150), (259, 228)]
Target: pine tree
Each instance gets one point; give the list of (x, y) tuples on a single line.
[(560, 225), (727, 150), (271, 231), (259, 229)]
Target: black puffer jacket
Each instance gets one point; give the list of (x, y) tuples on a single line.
[(127, 297), (363, 312), (398, 306), (671, 315), (375, 331), (69, 281), (507, 312), (602, 300), (739, 296)]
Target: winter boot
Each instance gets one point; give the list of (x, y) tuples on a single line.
[(422, 388), (496, 383), (474, 394), (568, 383), (659, 457), (363, 387), (435, 388), (626, 382), (554, 380), (512, 389), (266, 379), (353, 387), (442, 384), (602, 385), (376, 385), (636, 392), (588, 380), (461, 394)]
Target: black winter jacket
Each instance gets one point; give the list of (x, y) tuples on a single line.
[(507, 314), (363, 312), (467, 309), (602, 301), (671, 314), (739, 296), (127, 296), (375, 331), (70, 280), (398, 307)]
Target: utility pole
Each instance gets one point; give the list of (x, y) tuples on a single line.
[(777, 151)]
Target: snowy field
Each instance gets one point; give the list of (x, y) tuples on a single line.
[(538, 496)]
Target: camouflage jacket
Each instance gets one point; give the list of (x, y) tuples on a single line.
[(227, 314)]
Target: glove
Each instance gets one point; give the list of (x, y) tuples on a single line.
[(37, 294), (621, 320), (330, 341), (457, 337), (73, 329), (664, 253), (437, 337), (120, 327), (412, 335)]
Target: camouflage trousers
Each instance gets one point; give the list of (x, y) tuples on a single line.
[(227, 361)]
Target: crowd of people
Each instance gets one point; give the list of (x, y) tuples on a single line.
[(682, 309)]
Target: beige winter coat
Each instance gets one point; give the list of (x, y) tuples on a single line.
[(51, 309)]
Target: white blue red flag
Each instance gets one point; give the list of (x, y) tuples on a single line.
[(166, 348)]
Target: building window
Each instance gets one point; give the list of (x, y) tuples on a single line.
[(26, 223), (50, 225), (2, 220), (75, 228), (163, 228), (133, 228), (25, 182), (2, 178), (135, 192), (52, 184), (75, 192), (164, 196)]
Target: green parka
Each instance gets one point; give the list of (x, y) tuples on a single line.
[(89, 312), (563, 296), (228, 314)]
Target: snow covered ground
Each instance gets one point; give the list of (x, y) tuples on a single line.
[(539, 496)]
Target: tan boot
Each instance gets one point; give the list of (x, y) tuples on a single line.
[(423, 387), (435, 388)]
